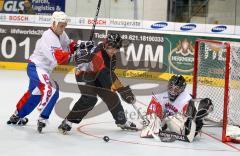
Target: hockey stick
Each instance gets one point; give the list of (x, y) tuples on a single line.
[(173, 136), (93, 28), (145, 121), (95, 20)]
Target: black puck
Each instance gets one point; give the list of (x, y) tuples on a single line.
[(106, 138), (9, 122)]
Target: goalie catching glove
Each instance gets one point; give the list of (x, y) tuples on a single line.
[(127, 95)]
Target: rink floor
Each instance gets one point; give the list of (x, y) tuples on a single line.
[(86, 138)]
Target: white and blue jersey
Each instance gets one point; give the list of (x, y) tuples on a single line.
[(41, 63)]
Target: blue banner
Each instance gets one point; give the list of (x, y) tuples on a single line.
[(39, 7)]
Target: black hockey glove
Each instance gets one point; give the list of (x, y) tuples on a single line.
[(82, 56), (127, 95), (89, 45), (86, 45)]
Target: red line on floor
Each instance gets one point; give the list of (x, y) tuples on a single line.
[(226, 143), (79, 129)]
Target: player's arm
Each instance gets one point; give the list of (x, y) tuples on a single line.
[(66, 56), (61, 56)]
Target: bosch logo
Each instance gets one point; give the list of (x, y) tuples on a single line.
[(188, 27), (100, 22), (219, 28), (159, 25), (18, 18)]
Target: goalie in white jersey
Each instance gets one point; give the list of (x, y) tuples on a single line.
[(176, 112), (51, 49)]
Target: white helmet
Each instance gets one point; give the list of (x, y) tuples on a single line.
[(59, 16)]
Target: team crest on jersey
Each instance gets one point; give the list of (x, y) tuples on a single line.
[(170, 109), (52, 48)]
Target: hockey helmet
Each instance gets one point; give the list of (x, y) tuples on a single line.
[(114, 40), (176, 86), (59, 16)]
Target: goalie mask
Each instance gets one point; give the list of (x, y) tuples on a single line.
[(176, 86), (114, 41)]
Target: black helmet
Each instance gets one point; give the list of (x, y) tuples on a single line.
[(176, 86), (114, 40)]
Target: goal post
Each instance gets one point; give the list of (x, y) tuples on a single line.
[(216, 75)]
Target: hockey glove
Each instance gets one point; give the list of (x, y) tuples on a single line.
[(73, 46), (82, 56), (127, 95), (89, 45), (86, 45)]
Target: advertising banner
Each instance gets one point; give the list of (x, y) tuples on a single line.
[(161, 25), (40, 7), (146, 51), (189, 27), (220, 29), (124, 23)]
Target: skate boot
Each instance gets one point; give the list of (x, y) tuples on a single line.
[(65, 127), (14, 119), (41, 124), (128, 126)]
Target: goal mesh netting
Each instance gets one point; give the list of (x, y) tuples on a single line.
[(217, 76)]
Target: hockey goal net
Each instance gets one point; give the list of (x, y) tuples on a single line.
[(217, 76)]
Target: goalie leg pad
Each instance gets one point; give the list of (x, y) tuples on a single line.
[(190, 129), (152, 128), (181, 125), (175, 123)]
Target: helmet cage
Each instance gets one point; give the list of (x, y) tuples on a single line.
[(176, 86), (114, 41)]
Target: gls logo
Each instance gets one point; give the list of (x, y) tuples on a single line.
[(188, 27), (159, 25), (13, 6), (219, 28)]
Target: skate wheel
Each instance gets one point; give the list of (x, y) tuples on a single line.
[(39, 129)]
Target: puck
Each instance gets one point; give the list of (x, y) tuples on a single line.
[(9, 122), (106, 138)]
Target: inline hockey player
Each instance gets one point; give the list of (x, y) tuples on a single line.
[(51, 49), (96, 71), (175, 114)]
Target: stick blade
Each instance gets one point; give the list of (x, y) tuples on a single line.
[(168, 139)]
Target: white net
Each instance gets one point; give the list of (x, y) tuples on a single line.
[(211, 79)]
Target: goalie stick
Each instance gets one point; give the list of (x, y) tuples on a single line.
[(173, 135)]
